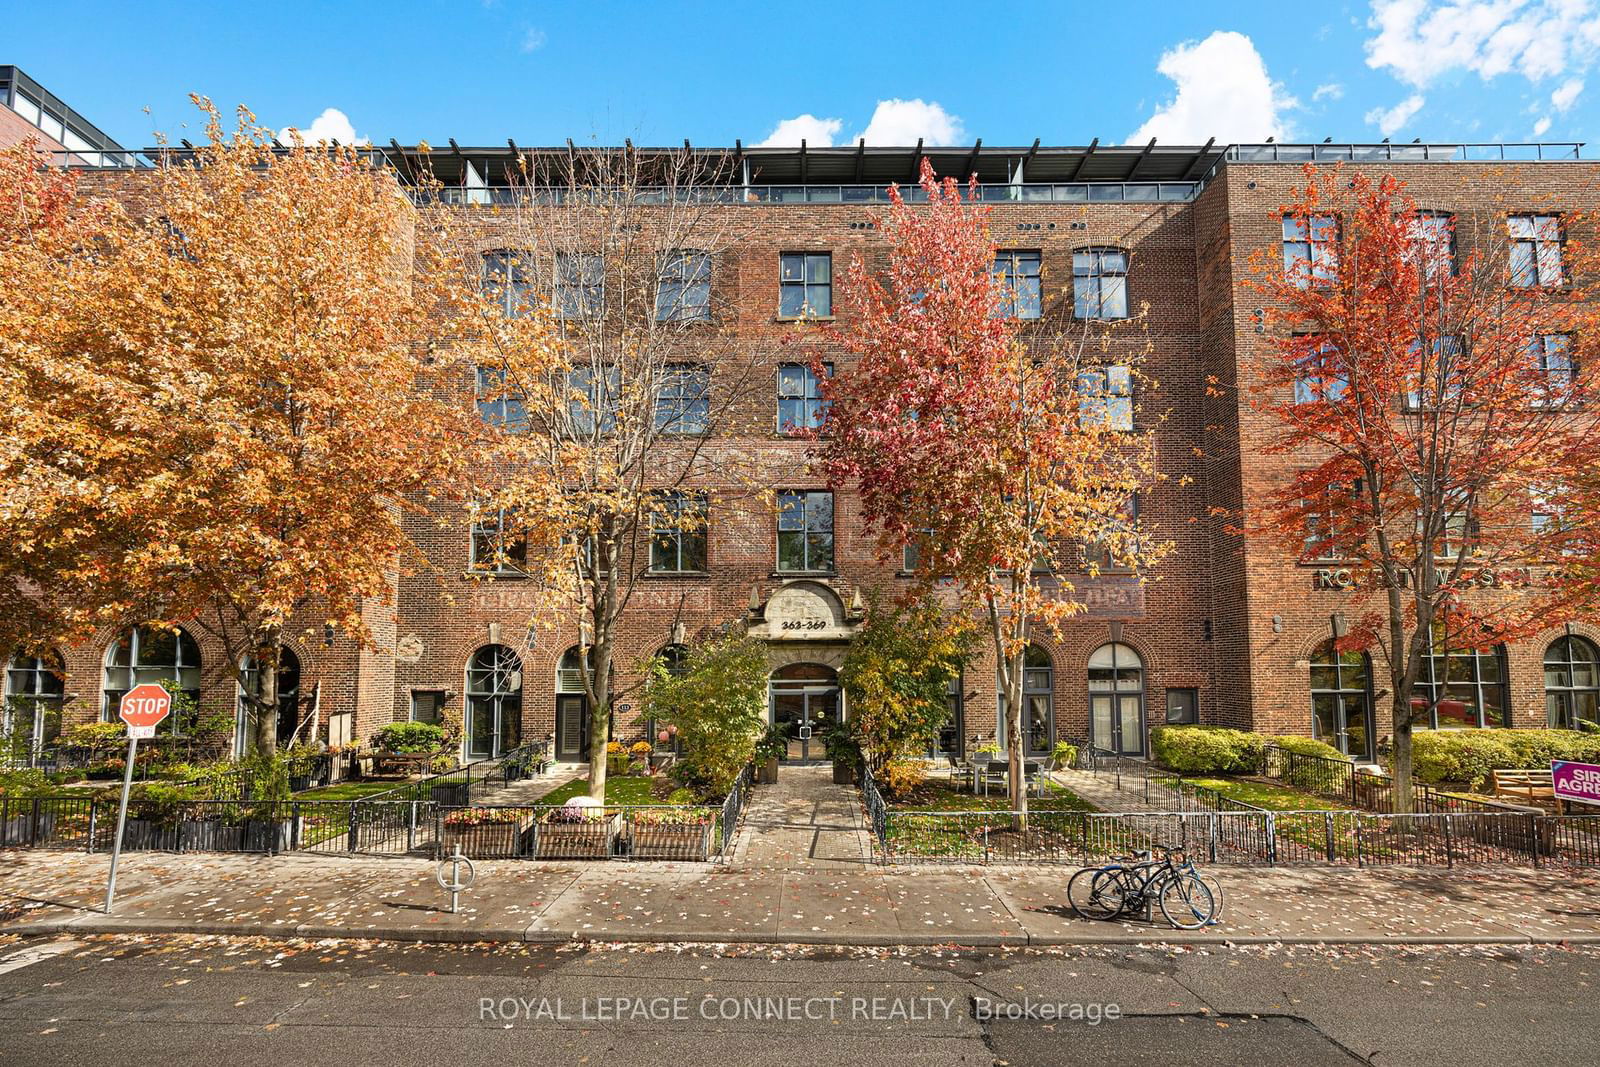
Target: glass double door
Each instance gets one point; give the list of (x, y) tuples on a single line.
[(1117, 722), (803, 716), (494, 725)]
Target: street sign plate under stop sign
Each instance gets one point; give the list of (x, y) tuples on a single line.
[(142, 707)]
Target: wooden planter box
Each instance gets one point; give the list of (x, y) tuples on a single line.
[(577, 840), (495, 840), (674, 842), (843, 773), (767, 772)]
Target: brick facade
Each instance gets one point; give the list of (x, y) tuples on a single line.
[(1229, 616)]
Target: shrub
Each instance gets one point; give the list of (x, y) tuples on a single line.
[(95, 736), (1467, 756), (1305, 746), (719, 706), (1065, 754), (901, 776), (23, 783), (409, 737), (1207, 749)]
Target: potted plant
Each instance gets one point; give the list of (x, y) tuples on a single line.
[(1064, 755), (616, 758), (844, 750), (639, 763), (578, 830), (489, 833), (671, 833), (771, 748)]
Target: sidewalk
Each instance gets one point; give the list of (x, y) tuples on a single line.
[(301, 895)]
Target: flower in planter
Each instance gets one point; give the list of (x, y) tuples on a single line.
[(615, 748), (485, 816), (672, 817), (578, 810), (641, 749)]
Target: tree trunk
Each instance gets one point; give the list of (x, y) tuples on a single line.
[(1016, 742), (599, 716), (267, 654)]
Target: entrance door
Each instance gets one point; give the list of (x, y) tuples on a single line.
[(572, 728), (805, 706), (494, 702), (1116, 700)]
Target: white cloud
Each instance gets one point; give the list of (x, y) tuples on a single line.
[(817, 133), (1390, 120), (1422, 40), (1567, 95), (1223, 92), (533, 39), (1541, 127), (1331, 91), (331, 125), (902, 122)]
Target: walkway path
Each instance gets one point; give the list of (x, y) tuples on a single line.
[(805, 822), (1100, 788)]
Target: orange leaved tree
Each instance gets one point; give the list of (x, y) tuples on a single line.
[(1426, 376), (994, 450)]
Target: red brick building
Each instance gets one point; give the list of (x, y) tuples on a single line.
[(1232, 631)]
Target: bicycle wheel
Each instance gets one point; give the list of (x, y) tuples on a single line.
[(1216, 895), (1096, 892), (1187, 902)]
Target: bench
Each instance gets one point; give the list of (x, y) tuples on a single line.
[(1530, 785)]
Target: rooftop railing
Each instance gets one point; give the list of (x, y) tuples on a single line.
[(1073, 193)]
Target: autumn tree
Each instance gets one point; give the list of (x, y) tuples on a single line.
[(999, 453), (611, 446), (248, 364), (1433, 381)]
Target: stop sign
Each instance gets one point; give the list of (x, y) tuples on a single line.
[(142, 707)]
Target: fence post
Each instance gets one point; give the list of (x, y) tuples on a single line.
[(33, 824), (294, 827), (1211, 823), (1272, 839), (1327, 820), (353, 839), (411, 828), (1533, 836), (1449, 841), (1360, 820)]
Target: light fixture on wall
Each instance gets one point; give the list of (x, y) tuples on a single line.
[(1277, 624), (327, 635)]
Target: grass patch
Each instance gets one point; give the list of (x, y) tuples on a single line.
[(619, 790), (349, 790), (939, 795), (1263, 795)]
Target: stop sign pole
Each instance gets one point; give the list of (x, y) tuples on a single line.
[(142, 707)]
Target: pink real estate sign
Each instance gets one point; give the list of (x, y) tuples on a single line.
[(1575, 781)]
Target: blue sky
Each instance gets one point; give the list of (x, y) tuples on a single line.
[(658, 72)]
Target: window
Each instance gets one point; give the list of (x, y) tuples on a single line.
[(678, 532), (1017, 276), (674, 659), (1458, 533), (1551, 354), (1100, 283), (1535, 251), (805, 287), (948, 743), (580, 284), (426, 705), (507, 281), (494, 702), (1440, 375), (1183, 706), (805, 531), (1551, 523), (1319, 546), (1434, 235), (1320, 375), (1116, 699), (593, 399), (684, 403), (157, 655), (288, 719), (1341, 700), (570, 673), (683, 293), (1469, 686), (30, 719), (1310, 249), (498, 546), (1571, 682), (1120, 539), (498, 404), (1105, 398), (800, 403), (1038, 703)]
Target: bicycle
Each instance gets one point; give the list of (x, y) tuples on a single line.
[(1171, 882)]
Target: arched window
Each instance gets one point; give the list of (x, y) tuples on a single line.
[(154, 654), (494, 702), (1116, 699), (288, 701), (1469, 685), (1341, 700), (1038, 703), (1571, 682), (31, 717), (675, 658)]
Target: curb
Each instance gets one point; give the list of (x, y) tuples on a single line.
[(466, 935)]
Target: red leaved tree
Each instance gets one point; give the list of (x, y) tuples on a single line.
[(1428, 381), (989, 448)]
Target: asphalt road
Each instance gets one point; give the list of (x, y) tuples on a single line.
[(251, 1001)]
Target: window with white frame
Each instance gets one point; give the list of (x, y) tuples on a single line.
[(1433, 236), (1320, 375), (154, 654), (1555, 368), (498, 545), (1311, 249)]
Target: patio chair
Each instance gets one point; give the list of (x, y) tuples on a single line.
[(961, 773)]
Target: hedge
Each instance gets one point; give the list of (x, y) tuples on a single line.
[(1207, 749), (1468, 756)]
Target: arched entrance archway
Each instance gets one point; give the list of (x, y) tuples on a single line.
[(804, 703)]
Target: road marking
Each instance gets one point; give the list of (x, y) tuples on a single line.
[(35, 954)]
